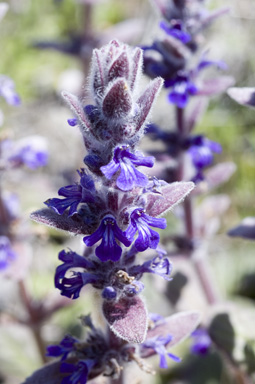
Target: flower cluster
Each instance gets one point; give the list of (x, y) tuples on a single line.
[(30, 151), (199, 148), (98, 354), (115, 206), (170, 56)]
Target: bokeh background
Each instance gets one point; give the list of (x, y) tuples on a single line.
[(40, 75)]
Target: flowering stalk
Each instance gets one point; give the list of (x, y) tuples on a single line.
[(182, 25), (116, 208)]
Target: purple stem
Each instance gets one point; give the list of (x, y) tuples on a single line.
[(201, 265), (35, 328)]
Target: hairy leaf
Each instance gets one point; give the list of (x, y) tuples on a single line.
[(127, 318), (137, 65), (243, 96), (179, 326), (72, 224), (119, 68), (146, 100), (172, 194), (117, 102), (77, 109), (212, 87), (215, 176), (200, 106), (49, 374)]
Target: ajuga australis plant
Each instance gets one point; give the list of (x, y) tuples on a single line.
[(116, 207)]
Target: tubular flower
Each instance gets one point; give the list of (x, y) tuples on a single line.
[(141, 222), (126, 162), (108, 231)]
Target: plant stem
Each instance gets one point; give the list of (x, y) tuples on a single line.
[(206, 278), (120, 379), (36, 328), (200, 262)]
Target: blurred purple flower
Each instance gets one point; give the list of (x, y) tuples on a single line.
[(30, 151), (7, 90), (176, 30), (182, 88), (7, 254), (201, 342), (202, 151), (158, 343)]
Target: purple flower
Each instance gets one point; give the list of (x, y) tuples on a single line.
[(182, 88), (183, 84), (201, 152), (72, 122), (30, 151), (159, 343), (63, 348), (7, 254), (78, 373), (176, 30), (84, 192), (201, 342), (126, 162), (7, 90), (141, 222), (71, 287), (108, 231), (11, 205), (158, 265)]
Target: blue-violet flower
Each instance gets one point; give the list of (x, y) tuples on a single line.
[(141, 222), (126, 162), (108, 231)]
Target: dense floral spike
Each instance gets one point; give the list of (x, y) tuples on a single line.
[(105, 355), (118, 116), (141, 222), (108, 231), (114, 205), (126, 161)]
